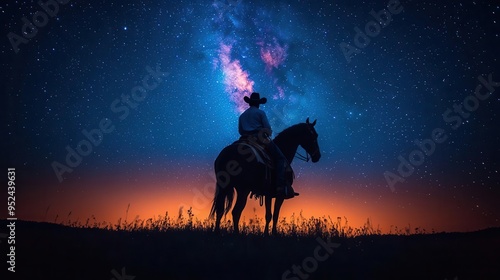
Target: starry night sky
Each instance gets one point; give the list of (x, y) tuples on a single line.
[(159, 156)]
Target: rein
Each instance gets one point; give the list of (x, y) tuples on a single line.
[(302, 157), (306, 157)]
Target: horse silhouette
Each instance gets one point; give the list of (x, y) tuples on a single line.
[(237, 168)]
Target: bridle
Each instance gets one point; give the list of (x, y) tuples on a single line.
[(302, 157), (306, 157)]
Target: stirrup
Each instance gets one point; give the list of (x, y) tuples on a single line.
[(286, 192)]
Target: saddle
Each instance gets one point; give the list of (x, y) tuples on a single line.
[(258, 148), (263, 156)]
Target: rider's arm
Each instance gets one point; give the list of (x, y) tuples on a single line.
[(265, 122), (240, 129)]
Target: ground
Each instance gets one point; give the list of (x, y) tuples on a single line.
[(52, 251)]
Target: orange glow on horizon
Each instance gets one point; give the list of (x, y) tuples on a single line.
[(107, 199)]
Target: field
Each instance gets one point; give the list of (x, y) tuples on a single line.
[(184, 248)]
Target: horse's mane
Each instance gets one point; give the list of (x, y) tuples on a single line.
[(292, 130)]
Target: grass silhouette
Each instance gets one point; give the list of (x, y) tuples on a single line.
[(293, 226)]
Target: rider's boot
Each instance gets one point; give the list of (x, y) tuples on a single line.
[(284, 189)]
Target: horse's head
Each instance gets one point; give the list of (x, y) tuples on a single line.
[(310, 141)]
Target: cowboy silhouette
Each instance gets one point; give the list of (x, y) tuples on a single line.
[(254, 123)]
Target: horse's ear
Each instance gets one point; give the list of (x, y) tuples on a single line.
[(314, 123), (307, 121)]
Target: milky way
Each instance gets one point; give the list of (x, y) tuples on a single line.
[(239, 19)]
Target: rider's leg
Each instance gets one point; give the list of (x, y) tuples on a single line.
[(280, 163)]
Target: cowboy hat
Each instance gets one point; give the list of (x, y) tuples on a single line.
[(255, 99)]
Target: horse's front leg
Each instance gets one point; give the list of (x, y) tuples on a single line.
[(277, 206), (269, 201)]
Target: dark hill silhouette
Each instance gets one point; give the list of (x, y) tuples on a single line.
[(50, 251)]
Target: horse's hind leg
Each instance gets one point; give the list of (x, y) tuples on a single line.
[(218, 217), (269, 201), (277, 206), (241, 201), (219, 208)]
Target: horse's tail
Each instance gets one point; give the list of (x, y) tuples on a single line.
[(224, 190), (223, 200)]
